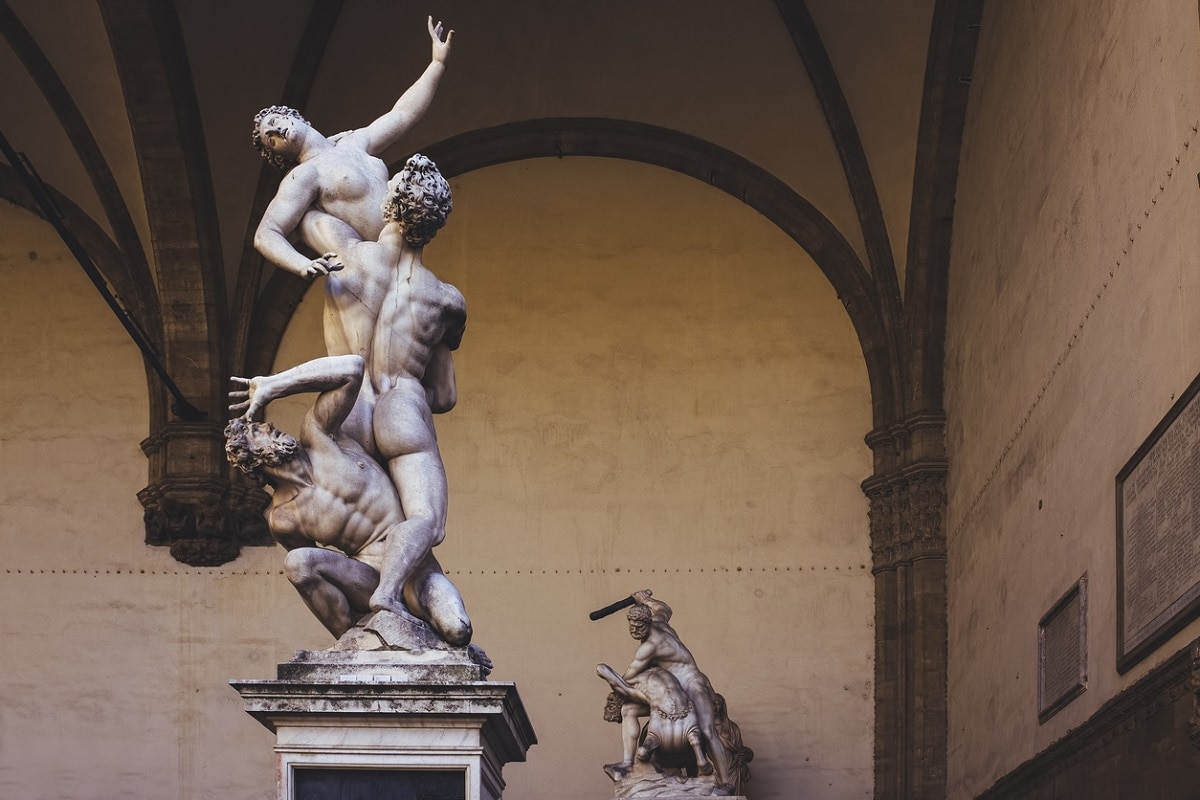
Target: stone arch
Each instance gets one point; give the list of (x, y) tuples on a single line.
[(673, 150)]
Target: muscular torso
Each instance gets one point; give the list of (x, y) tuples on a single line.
[(349, 503), (352, 298), (665, 650), (415, 315)]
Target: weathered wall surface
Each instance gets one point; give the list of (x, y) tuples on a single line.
[(657, 388), (1072, 329)]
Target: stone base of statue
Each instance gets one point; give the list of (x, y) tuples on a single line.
[(646, 780), (360, 722)]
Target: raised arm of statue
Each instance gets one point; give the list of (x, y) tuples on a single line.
[(412, 105), (337, 378), (659, 611)]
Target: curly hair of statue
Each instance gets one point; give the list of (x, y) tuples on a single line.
[(269, 155), (419, 199), (246, 456)]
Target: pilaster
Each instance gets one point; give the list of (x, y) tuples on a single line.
[(908, 552)]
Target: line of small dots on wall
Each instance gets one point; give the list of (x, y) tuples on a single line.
[(1118, 262), (861, 568)]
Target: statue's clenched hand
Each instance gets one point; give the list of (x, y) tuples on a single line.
[(323, 266)]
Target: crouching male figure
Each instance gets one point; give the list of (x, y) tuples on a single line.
[(334, 507)]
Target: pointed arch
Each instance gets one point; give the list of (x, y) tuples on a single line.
[(139, 289), (152, 64), (842, 128), (104, 252), (662, 147)]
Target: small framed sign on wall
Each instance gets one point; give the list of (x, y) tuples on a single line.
[(1158, 534), (1062, 651)]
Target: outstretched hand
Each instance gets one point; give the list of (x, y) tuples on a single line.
[(249, 399), (441, 48), (642, 596)]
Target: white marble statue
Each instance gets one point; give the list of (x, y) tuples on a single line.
[(342, 175), (688, 731), (381, 304), (405, 323), (334, 508), (401, 323)]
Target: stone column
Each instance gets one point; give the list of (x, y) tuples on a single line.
[(908, 547)]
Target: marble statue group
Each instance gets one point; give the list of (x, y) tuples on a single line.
[(360, 497), (688, 735)]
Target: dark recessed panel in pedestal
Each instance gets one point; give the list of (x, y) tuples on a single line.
[(379, 784)]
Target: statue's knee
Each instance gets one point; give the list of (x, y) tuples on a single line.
[(649, 745), (300, 565), (458, 632)]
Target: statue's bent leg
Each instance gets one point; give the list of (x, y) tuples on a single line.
[(631, 728), (335, 587), (702, 696), (434, 598), (406, 441), (649, 745), (697, 742), (421, 482)]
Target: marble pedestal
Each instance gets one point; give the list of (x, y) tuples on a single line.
[(385, 716), (645, 781)]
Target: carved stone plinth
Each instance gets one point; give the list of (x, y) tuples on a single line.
[(645, 780), (384, 718)]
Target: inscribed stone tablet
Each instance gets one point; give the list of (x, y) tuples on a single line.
[(1158, 533)]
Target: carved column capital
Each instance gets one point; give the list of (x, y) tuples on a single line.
[(907, 514), (191, 504)]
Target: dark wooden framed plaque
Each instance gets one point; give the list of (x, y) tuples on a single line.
[(1158, 534), (1062, 651)]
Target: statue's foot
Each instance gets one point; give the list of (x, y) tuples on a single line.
[(619, 770), (383, 602), (706, 768)]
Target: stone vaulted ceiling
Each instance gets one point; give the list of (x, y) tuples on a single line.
[(838, 120)]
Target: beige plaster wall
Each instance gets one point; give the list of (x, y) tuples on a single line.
[(657, 388), (1072, 329), (115, 656)]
